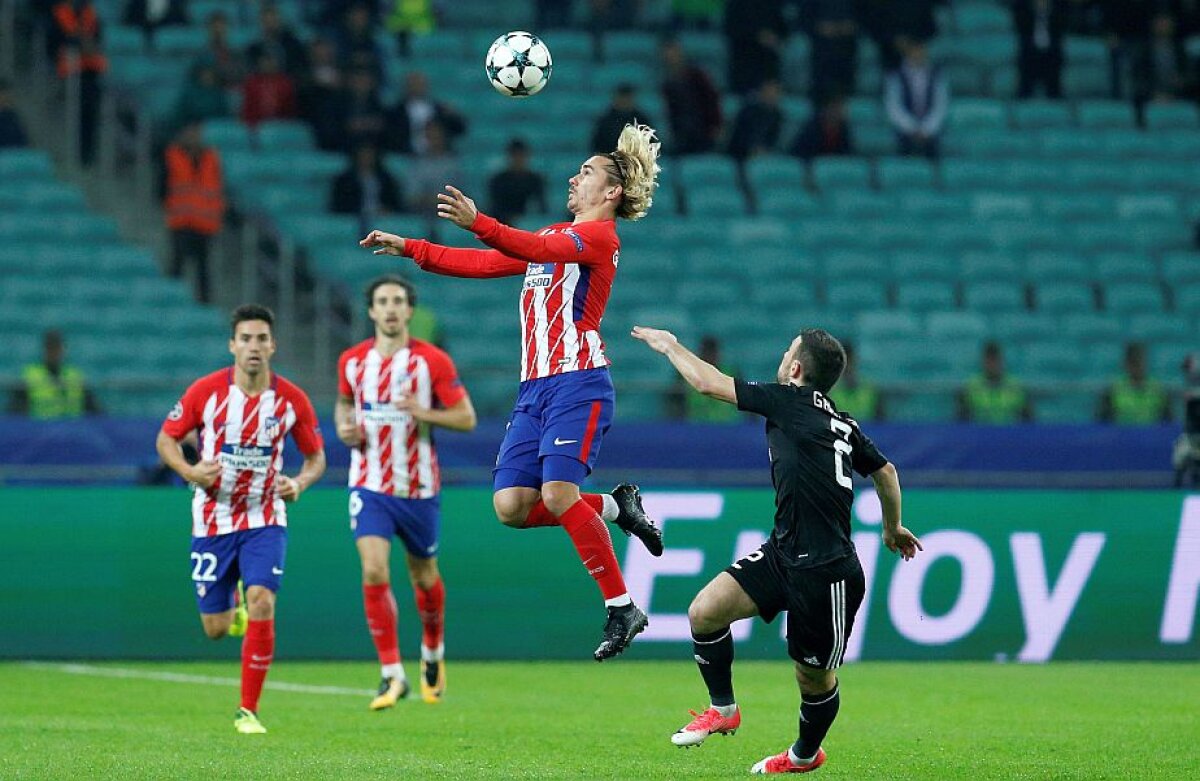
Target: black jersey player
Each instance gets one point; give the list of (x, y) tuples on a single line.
[(808, 566)]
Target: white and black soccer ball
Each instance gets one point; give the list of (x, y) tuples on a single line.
[(518, 64)]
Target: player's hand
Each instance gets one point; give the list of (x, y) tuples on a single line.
[(659, 341), (412, 407), (388, 243), (902, 541), (288, 489), (351, 434), (456, 207), (205, 473)]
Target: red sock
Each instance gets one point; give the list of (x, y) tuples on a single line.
[(431, 607), (595, 547), (258, 649), (540, 516), (380, 606)]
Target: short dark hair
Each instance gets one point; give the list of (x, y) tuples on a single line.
[(391, 279), (247, 312), (822, 357)]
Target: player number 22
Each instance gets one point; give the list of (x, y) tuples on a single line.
[(204, 566), (841, 446)]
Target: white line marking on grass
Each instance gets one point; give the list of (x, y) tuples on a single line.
[(203, 680)]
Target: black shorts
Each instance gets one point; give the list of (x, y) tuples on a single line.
[(820, 602)]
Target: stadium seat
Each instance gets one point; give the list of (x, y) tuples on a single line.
[(1051, 362), (1068, 144), (1077, 206), (1163, 206), (1163, 116), (1086, 327), (1114, 267), (989, 144), (855, 263), (1159, 326), (700, 295), (1103, 114), (763, 171), (924, 265), (1166, 358), (1000, 205), (988, 297), (1030, 114), (930, 407), (711, 169), (25, 164), (981, 17), (1065, 407), (986, 49), (905, 173), (1021, 327), (1064, 297), (861, 204), (925, 295), (1086, 81), (965, 78), (1181, 267), (1043, 267), (965, 326), (1089, 176), (888, 325), (1127, 144), (836, 173), (988, 266), (855, 295), (718, 201), (1127, 298), (767, 292), (930, 205), (973, 174)]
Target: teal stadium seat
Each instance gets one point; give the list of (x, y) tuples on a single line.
[(1098, 114), (1068, 144), (1086, 327), (710, 169), (1001, 205), (841, 173), (888, 324), (1166, 358), (1161, 206), (929, 205), (718, 201), (1077, 206), (1065, 407), (1030, 114), (957, 326), (990, 297), (861, 204), (972, 174), (906, 173), (855, 263), (991, 50), (1163, 116), (989, 144), (703, 295), (1159, 326), (18, 164), (977, 113), (989, 267), (1181, 267), (965, 78), (1090, 176), (1114, 267), (1127, 298), (971, 18), (1128, 143), (285, 134), (1086, 81), (855, 295), (1043, 267), (768, 293), (925, 295), (1021, 327), (926, 407), (1064, 297), (1182, 144), (1051, 362), (21, 194)]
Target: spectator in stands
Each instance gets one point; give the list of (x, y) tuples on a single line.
[(832, 29), (755, 31), (150, 15), (407, 18), (219, 54), (683, 402), (415, 110), (74, 42), (827, 132), (356, 47), (693, 103), (201, 98), (856, 397), (365, 188), (319, 95), (433, 170), (12, 130), (1127, 26), (993, 397), (517, 190), (278, 40), (194, 203), (53, 389), (363, 118), (622, 111), (1165, 74), (1040, 26), (758, 124), (268, 92), (1135, 399), (917, 98)]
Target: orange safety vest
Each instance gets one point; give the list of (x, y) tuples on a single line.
[(74, 25), (194, 200)]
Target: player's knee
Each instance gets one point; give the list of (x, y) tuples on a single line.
[(510, 511), (702, 616), (815, 680), (260, 603), (214, 632), (375, 573), (559, 497)]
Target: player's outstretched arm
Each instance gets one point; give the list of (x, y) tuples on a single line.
[(897, 538), (384, 243), (698, 373), (447, 261)]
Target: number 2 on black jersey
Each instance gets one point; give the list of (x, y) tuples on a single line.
[(842, 447)]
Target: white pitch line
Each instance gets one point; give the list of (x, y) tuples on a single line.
[(203, 680)]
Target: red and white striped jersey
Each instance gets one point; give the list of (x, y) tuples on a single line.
[(244, 433), (569, 271), (397, 456)]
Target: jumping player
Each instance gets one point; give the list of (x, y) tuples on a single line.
[(239, 515), (565, 402), (393, 390), (808, 566)]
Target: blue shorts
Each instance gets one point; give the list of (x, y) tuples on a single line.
[(555, 429), (415, 521), (254, 556)]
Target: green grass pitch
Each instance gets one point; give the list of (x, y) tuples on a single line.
[(578, 720)]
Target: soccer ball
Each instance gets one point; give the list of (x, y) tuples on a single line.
[(518, 64)]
